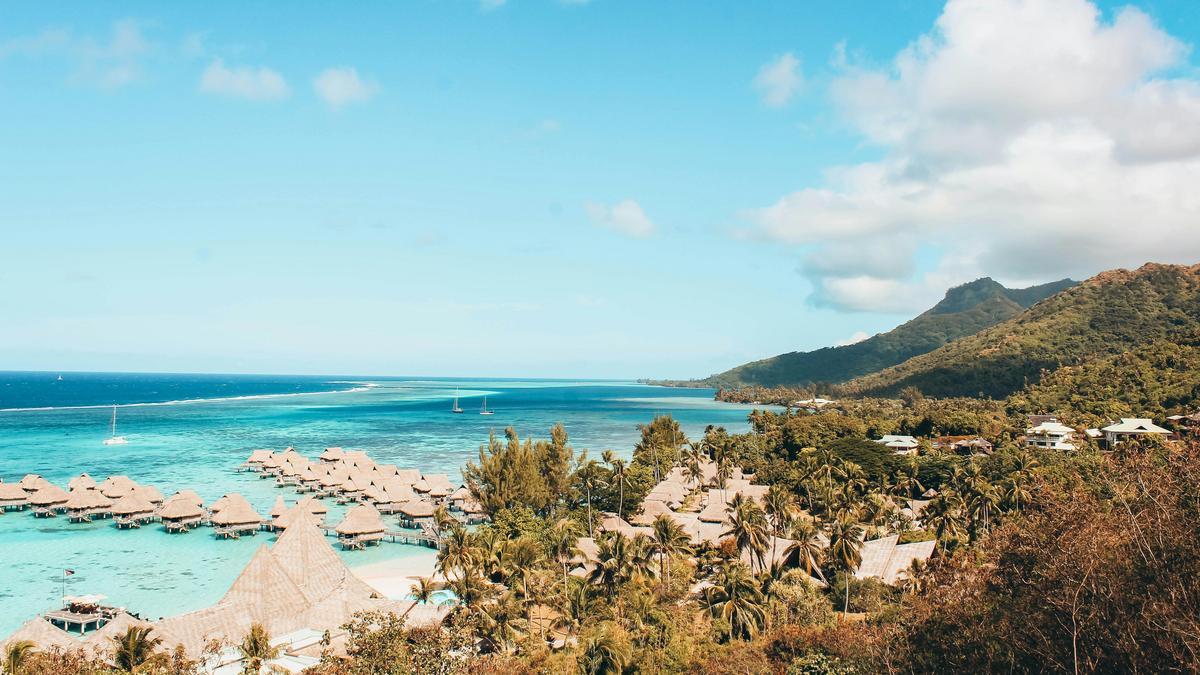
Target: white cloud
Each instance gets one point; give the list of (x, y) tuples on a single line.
[(778, 81), (626, 217), (1024, 139), (342, 86), (858, 336), (108, 63), (248, 82)]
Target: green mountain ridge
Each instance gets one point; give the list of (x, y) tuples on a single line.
[(965, 310), (1065, 342)]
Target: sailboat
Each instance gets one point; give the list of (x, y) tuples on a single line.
[(456, 409), (484, 410), (114, 439)]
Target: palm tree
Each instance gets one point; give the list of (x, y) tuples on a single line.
[(614, 564), (524, 555), (942, 514), (256, 649), (620, 474), (133, 647), (604, 654), (748, 526), (845, 545), (500, 622), (781, 513), (807, 545), (459, 550), (909, 483), (578, 605), (16, 655), (735, 597), (667, 539), (563, 540), (589, 477), (724, 474), (421, 592)]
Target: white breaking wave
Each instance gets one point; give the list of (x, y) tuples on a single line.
[(365, 386)]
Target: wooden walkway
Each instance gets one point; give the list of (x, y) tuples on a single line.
[(422, 537)]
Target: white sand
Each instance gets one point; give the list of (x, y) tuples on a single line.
[(395, 578)]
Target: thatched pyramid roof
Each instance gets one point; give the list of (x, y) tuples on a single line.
[(87, 499), (417, 508), (41, 633), (32, 481), (236, 511), (12, 492), (362, 519), (49, 495), (308, 558), (179, 507), (83, 481), (132, 505), (149, 493), (278, 508), (191, 496), (102, 639)]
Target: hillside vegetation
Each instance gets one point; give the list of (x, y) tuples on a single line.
[(1105, 331), (965, 310)]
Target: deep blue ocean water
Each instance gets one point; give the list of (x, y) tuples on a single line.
[(191, 431)]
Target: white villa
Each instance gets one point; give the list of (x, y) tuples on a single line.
[(902, 445), (1051, 434), (1132, 427)]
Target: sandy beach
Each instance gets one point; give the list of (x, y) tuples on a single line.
[(394, 578)]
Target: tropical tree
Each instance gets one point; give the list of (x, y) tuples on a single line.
[(614, 564), (735, 597), (806, 543), (845, 550), (524, 556), (577, 606), (256, 649), (134, 647), (942, 513), (605, 653), (563, 540), (749, 528), (589, 478), (620, 476), (17, 654), (422, 592), (780, 507), (667, 539)]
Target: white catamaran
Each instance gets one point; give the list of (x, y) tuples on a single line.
[(113, 438)]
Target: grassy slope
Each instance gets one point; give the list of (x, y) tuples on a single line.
[(1104, 317)]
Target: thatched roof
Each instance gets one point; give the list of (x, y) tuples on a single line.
[(12, 492), (32, 481), (258, 456), (362, 519), (308, 558), (191, 496), (87, 499), (278, 508), (650, 510), (314, 506), (715, 511), (417, 508), (149, 493), (409, 476), (237, 511), (50, 495), (82, 481), (179, 507), (220, 504), (115, 487), (473, 507), (132, 505), (332, 455), (41, 633), (463, 493)]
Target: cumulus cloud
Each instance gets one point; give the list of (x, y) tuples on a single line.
[(1025, 139), (779, 80), (626, 217), (342, 86), (858, 336), (248, 82)]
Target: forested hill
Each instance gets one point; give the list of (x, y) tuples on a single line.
[(965, 310), (1101, 319)]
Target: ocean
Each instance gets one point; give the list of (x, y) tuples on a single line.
[(192, 431)]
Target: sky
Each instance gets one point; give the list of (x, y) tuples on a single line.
[(552, 188)]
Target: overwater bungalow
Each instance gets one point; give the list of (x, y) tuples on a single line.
[(33, 482), (410, 476), (255, 461), (132, 511), (439, 486), (415, 513), (149, 493), (179, 513), (81, 481), (83, 505), (332, 455), (457, 498), (191, 496), (474, 511), (271, 466), (362, 525), (49, 501), (13, 497), (307, 480), (81, 614), (277, 509), (236, 518), (115, 487)]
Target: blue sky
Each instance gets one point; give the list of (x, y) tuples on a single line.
[(543, 188)]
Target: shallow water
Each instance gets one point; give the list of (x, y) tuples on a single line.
[(198, 444)]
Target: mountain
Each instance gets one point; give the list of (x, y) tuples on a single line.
[(1111, 325), (965, 310)]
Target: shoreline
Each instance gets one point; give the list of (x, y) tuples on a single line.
[(395, 577)]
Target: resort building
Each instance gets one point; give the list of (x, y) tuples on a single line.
[(1049, 433), (1132, 427), (180, 512), (13, 496), (964, 445), (48, 501), (233, 516), (887, 561), (362, 526), (901, 445)]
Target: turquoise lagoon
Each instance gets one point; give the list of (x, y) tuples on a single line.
[(191, 431)]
